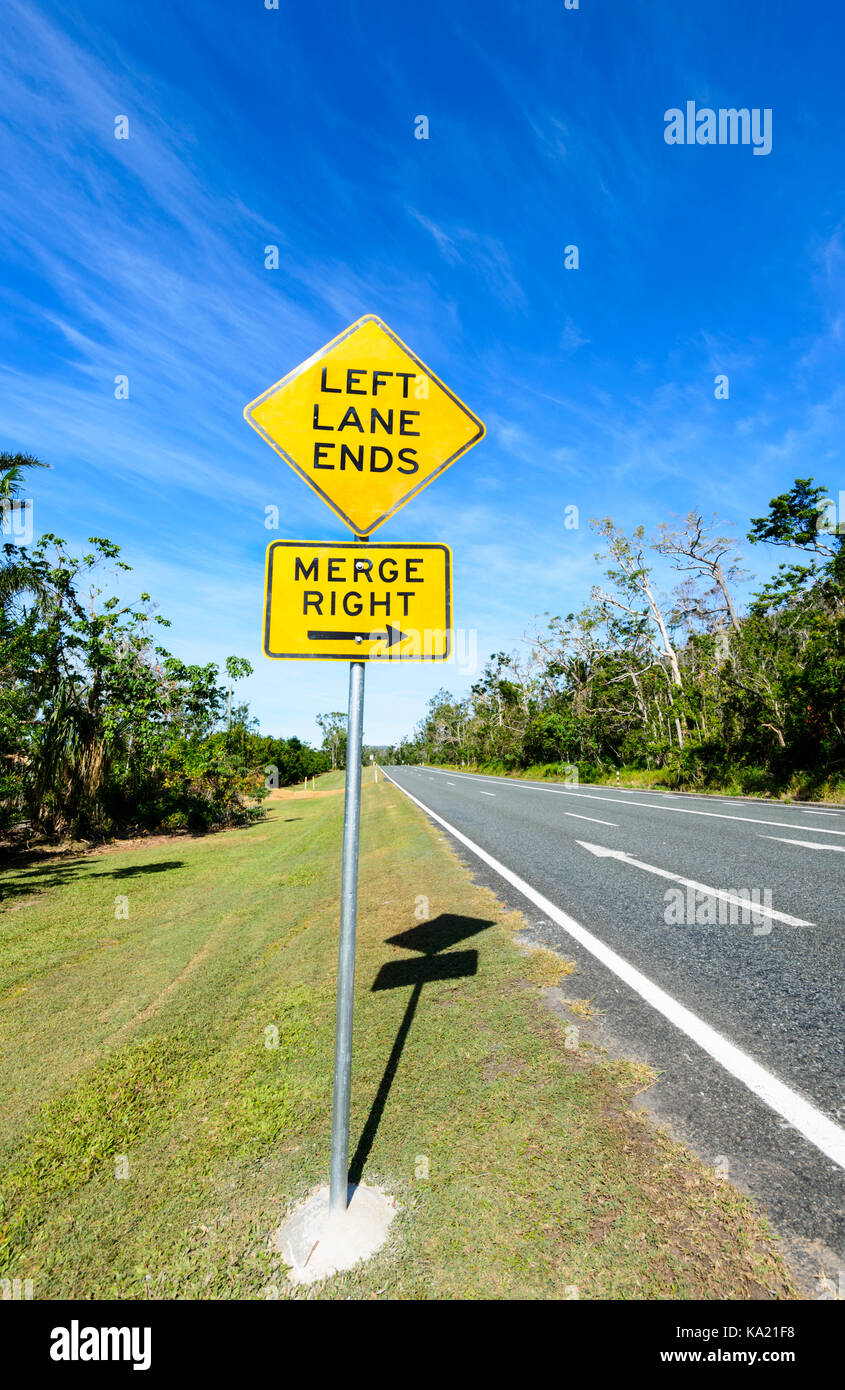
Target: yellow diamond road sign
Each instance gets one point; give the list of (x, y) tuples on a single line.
[(347, 601), (365, 423)]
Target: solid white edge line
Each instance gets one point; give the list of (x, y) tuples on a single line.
[(821, 1132)]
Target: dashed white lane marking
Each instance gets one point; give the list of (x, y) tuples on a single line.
[(823, 1133), (648, 805), (481, 793), (724, 894), (807, 844), (594, 819)]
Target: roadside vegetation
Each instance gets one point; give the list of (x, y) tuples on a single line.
[(166, 1066), (685, 691), (103, 731)]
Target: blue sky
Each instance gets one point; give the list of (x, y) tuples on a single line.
[(295, 127)]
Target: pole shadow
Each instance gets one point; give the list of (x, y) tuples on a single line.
[(431, 939)]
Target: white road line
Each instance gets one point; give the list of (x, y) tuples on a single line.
[(807, 844), (602, 852), (481, 793), (594, 819), (808, 812), (823, 1133), (649, 806)]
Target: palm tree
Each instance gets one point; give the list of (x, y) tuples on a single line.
[(11, 472), (16, 577)]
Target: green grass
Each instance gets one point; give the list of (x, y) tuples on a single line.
[(332, 781), (167, 1083)]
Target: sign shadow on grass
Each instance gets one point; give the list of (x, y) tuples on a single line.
[(435, 962), (33, 881)]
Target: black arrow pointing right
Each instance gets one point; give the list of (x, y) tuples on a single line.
[(391, 636)]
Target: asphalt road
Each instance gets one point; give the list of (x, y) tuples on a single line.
[(770, 986)]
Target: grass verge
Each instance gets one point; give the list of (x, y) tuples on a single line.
[(167, 1024)]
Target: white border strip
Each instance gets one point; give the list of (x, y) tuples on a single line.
[(826, 1136)]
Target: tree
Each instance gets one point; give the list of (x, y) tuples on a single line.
[(16, 577), (632, 582), (102, 727), (696, 551), (12, 468), (237, 667), (333, 728), (798, 519)]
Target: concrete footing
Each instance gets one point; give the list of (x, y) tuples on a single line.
[(317, 1244)]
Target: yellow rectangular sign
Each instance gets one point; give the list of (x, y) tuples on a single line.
[(365, 423), (342, 601)]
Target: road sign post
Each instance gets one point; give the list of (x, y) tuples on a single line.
[(367, 425), (346, 945)]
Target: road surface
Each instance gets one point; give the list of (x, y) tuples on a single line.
[(740, 1008)]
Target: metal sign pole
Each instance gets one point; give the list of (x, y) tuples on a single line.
[(346, 949)]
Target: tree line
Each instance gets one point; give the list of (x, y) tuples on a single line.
[(688, 685), (102, 729)]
